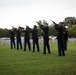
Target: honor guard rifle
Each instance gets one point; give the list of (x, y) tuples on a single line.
[(13, 28), (54, 22)]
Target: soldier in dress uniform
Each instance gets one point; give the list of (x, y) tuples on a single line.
[(12, 38), (45, 29), (27, 37), (35, 38)]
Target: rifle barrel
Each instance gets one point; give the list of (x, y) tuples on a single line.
[(53, 21)]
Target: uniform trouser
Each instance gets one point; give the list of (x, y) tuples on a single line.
[(35, 42), (60, 48), (65, 44), (27, 41), (19, 43), (46, 44), (12, 43)]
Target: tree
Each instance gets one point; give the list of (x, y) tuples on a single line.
[(69, 21), (72, 31), (4, 33), (40, 32), (52, 31), (44, 21), (39, 23)]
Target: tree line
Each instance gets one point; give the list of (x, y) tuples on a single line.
[(69, 22)]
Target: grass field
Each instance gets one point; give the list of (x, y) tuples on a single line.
[(19, 62)]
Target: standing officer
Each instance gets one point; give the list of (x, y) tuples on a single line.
[(27, 38), (65, 39), (45, 29), (60, 28), (18, 36), (35, 38), (12, 39)]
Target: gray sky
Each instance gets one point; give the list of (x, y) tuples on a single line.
[(21, 12)]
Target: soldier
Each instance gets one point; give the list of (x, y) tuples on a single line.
[(65, 39), (12, 39), (18, 37), (45, 29), (27, 38), (60, 28), (35, 38)]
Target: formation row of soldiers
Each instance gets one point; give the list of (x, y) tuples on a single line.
[(62, 37), (26, 37)]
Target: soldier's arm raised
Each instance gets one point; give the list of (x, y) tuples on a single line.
[(55, 25)]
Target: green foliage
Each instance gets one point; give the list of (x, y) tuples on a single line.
[(72, 31), (4, 33), (18, 62), (39, 23), (52, 31), (44, 21), (69, 21), (40, 32)]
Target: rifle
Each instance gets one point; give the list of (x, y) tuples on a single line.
[(21, 27), (13, 28), (38, 23), (25, 25), (54, 22)]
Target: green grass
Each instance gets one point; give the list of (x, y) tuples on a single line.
[(19, 62)]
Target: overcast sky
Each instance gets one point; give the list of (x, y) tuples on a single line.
[(21, 12)]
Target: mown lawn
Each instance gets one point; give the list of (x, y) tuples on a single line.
[(19, 62)]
